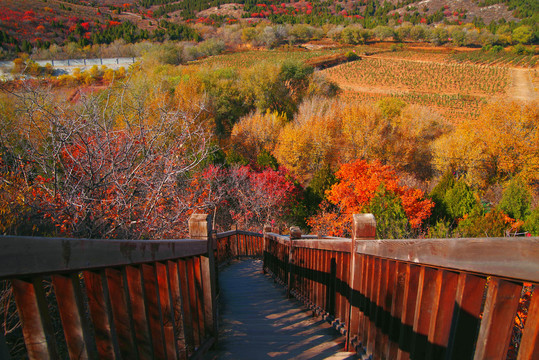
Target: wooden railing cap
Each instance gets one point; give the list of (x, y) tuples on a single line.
[(199, 226), (295, 232), (363, 227)]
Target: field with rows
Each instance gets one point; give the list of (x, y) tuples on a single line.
[(429, 77), (246, 59), (503, 58), (421, 77)]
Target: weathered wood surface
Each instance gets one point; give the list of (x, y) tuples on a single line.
[(259, 322), (510, 258), (30, 255)]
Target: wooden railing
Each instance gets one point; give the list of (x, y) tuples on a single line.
[(394, 299), (415, 299), (119, 299)]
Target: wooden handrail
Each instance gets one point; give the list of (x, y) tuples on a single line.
[(119, 298), (511, 258), (420, 298), (23, 256)]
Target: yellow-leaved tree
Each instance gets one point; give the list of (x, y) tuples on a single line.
[(501, 143)]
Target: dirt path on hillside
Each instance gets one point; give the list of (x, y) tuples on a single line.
[(522, 87)]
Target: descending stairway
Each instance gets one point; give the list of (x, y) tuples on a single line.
[(258, 322)]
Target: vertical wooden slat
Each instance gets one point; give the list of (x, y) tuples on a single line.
[(364, 315), (325, 267), (498, 315), (193, 301), (316, 264), (356, 263), (209, 294), (425, 309), (363, 228), (101, 315), (120, 314), (440, 325), (199, 291), (36, 323), (386, 302), (346, 288), (139, 312), (374, 276), (381, 280), (374, 332), (529, 346), (338, 291), (465, 325), (80, 343), (408, 313), (167, 316), (396, 309), (301, 275), (176, 301), (153, 307), (186, 305)]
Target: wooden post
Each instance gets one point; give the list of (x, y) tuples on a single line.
[(363, 228), (200, 227), (235, 245), (295, 233), (267, 229)]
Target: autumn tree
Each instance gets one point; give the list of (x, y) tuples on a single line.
[(516, 200), (358, 183), (258, 132), (499, 144), (108, 166)]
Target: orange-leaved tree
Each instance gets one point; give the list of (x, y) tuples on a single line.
[(363, 187)]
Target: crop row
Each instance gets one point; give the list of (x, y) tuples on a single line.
[(491, 58), (427, 77), (248, 59), (453, 108)]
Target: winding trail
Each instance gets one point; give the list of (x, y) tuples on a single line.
[(522, 87)]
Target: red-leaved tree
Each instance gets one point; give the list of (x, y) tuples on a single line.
[(358, 184)]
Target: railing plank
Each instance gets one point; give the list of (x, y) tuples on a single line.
[(36, 323), (188, 320), (378, 283), (139, 312), (176, 301), (498, 315), (464, 329), (509, 258), (397, 309), (199, 298), (342, 245), (80, 343), (101, 315), (408, 313), (529, 346), (153, 306), (167, 316), (26, 256), (371, 298), (120, 313), (440, 324), (425, 309)]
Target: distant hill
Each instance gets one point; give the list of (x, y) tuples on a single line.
[(38, 23)]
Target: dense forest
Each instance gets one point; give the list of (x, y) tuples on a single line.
[(277, 134)]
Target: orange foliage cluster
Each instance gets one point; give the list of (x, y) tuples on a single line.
[(359, 181)]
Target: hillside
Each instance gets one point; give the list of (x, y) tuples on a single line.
[(37, 23)]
